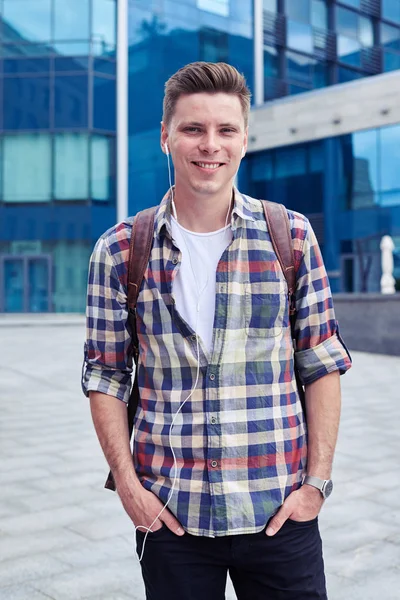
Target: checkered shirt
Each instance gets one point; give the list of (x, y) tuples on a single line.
[(240, 440)]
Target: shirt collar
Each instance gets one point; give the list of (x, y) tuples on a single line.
[(242, 209)]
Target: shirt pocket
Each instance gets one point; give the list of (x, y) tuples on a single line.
[(266, 308)]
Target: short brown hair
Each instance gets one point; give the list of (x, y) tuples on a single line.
[(207, 77)]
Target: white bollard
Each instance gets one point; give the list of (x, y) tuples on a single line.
[(387, 279)]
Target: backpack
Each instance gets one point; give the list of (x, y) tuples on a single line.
[(140, 248)]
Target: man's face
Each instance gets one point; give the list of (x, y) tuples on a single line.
[(206, 138)]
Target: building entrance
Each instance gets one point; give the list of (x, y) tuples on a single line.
[(25, 283)]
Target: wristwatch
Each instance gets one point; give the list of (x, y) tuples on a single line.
[(325, 486)]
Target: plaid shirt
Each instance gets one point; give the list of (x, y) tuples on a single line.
[(240, 440)]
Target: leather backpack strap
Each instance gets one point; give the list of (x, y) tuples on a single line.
[(279, 230), (139, 254)]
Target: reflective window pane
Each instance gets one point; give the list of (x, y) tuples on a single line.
[(300, 37), (349, 51), (390, 161), (346, 22), (218, 7), (71, 20), (298, 10), (353, 3), (38, 282), (27, 168), (391, 61), (271, 66), (321, 75), (24, 65), (391, 10), (213, 45), (104, 103), (100, 168), (299, 67), (31, 19), (345, 75), (366, 32), (290, 161), (104, 27), (319, 14), (71, 101), (390, 36), (13, 285), (26, 103), (270, 5), (71, 175), (365, 164), (72, 48)]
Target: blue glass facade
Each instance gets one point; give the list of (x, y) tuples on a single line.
[(349, 187), (57, 147), (163, 37)]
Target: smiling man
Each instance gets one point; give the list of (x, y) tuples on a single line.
[(226, 473)]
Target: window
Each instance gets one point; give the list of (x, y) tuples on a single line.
[(71, 101), (290, 161), (271, 65), (218, 7), (298, 10), (391, 61), (366, 32), (365, 169), (345, 74), (352, 3), (27, 168), (390, 37), (319, 14), (100, 167), (300, 37), (26, 102), (391, 10), (349, 51), (31, 20), (213, 45), (389, 162), (104, 27), (270, 5), (104, 103), (71, 176), (71, 20), (300, 68)]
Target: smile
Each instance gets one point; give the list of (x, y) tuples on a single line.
[(209, 166)]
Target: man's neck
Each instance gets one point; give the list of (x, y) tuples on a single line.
[(203, 213)]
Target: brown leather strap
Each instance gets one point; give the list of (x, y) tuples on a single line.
[(281, 238), (139, 255), (139, 252)]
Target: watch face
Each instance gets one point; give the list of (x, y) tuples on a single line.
[(328, 488)]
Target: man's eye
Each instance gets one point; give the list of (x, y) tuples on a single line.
[(228, 130), (190, 129)]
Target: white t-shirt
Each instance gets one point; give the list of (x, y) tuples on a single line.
[(195, 282)]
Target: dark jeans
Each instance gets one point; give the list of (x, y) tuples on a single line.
[(287, 566)]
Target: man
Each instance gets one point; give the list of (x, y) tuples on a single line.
[(216, 348)]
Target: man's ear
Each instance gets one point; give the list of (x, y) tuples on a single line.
[(163, 137)]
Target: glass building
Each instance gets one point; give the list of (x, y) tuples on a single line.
[(57, 147), (58, 81)]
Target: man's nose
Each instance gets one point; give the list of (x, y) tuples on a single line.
[(210, 144)]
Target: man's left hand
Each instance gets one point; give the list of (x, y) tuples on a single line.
[(303, 504)]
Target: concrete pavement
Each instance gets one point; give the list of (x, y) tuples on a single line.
[(65, 538)]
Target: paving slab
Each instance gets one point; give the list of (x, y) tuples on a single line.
[(63, 537)]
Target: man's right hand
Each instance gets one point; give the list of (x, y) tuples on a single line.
[(143, 507)]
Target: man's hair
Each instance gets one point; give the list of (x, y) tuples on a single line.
[(207, 77)]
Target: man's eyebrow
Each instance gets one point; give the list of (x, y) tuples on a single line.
[(198, 124)]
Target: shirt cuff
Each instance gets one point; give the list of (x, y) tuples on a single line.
[(107, 381), (329, 356)]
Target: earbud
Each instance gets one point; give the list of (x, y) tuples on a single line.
[(166, 149), (243, 152)]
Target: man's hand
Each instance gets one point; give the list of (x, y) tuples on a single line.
[(143, 507), (302, 505)]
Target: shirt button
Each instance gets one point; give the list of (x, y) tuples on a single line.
[(193, 338), (212, 376), (213, 420), (174, 261), (214, 463)]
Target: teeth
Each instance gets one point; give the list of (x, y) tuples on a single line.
[(208, 166)]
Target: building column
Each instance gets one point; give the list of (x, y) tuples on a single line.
[(258, 53), (122, 110), (331, 210)]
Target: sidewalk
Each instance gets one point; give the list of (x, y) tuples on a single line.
[(63, 537)]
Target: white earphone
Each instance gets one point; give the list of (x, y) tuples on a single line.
[(166, 149)]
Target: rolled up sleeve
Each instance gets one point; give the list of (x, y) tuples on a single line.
[(319, 347), (107, 366)]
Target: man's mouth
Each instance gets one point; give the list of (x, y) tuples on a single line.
[(209, 166)]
